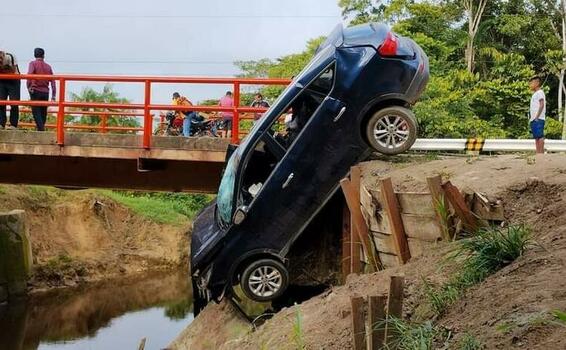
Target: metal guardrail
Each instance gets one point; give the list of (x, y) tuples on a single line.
[(487, 145)]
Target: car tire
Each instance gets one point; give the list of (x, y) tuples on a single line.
[(392, 130), (264, 280)]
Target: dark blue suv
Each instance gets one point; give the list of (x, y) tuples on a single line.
[(351, 99)]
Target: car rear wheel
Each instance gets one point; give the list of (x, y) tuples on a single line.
[(264, 280), (392, 130)]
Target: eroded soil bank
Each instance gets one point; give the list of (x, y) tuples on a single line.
[(510, 309), (86, 236)]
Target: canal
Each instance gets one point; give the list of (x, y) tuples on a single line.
[(106, 316)]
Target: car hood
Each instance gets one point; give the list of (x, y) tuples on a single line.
[(205, 235)]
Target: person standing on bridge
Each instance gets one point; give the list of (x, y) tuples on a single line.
[(537, 113), (227, 101), (259, 102), (39, 89), (9, 88)]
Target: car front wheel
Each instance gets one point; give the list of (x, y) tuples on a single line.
[(392, 130), (264, 280)]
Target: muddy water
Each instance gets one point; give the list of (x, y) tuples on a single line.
[(106, 316)]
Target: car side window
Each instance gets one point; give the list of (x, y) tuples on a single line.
[(291, 122), (262, 162), (272, 146)]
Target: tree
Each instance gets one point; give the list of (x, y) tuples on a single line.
[(474, 11), (107, 95)]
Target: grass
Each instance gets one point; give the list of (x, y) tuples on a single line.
[(443, 211), (162, 208), (469, 342), (409, 335), (479, 256), (560, 316), (298, 333)]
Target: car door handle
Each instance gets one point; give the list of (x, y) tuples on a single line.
[(288, 181), (340, 114)]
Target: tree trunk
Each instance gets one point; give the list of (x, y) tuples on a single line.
[(470, 55)]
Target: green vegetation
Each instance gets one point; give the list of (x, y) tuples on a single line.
[(409, 335), (484, 94), (479, 256), (107, 95), (560, 316), (162, 208), (469, 342), (58, 268), (298, 333)]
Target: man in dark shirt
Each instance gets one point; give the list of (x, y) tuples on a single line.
[(39, 89), (259, 102), (9, 88)]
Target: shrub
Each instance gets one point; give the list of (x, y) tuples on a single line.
[(483, 254), (469, 342), (409, 335)]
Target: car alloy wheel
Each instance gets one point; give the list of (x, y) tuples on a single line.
[(392, 130), (264, 280)]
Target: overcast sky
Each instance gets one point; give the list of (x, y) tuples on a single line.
[(167, 37)]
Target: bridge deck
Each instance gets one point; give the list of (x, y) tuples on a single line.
[(112, 161)]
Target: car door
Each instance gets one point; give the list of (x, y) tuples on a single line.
[(299, 183)]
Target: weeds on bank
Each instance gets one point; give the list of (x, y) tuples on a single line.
[(58, 268), (298, 333), (469, 342), (479, 256), (410, 336), (560, 316)]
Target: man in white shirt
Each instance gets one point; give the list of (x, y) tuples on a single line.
[(537, 113)]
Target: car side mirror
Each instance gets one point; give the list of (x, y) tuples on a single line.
[(240, 214)]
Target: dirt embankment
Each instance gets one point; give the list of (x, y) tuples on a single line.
[(510, 309), (84, 236)]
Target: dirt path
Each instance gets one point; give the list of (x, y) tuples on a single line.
[(510, 309)]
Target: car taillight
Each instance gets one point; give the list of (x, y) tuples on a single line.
[(389, 46)]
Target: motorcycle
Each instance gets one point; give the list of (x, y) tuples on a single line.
[(173, 126)]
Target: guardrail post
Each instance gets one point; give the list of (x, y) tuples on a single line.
[(104, 124), (236, 118), (147, 119), (61, 113)]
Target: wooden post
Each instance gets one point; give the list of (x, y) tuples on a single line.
[(391, 207), (459, 204), (347, 246), (440, 204), (394, 303), (358, 329), (359, 223), (376, 315), (358, 243)]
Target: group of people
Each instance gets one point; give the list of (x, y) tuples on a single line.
[(226, 101), (38, 89)]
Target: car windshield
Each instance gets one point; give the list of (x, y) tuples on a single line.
[(225, 199)]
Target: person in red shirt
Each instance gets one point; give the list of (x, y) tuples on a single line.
[(39, 89)]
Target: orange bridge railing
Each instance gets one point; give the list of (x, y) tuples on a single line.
[(144, 109)]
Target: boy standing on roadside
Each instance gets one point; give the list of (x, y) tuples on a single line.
[(537, 113), (39, 89)]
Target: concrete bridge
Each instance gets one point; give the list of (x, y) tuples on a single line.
[(115, 161)]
